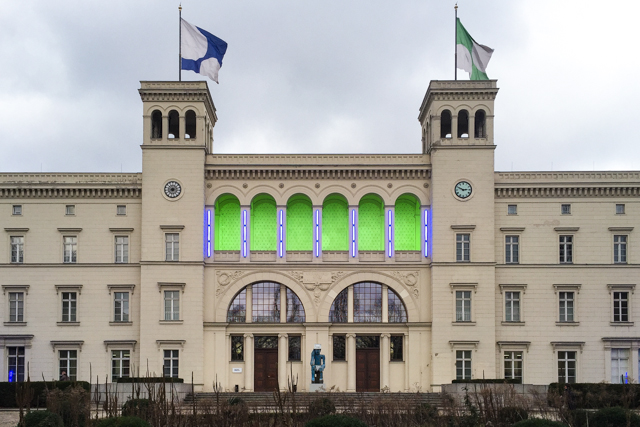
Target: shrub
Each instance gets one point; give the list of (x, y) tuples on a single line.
[(149, 380), (8, 391), (597, 395), (136, 407), (612, 417), (235, 401), (538, 422), (335, 421), (321, 406), (72, 404), (425, 413), (42, 419), (488, 381), (123, 422), (512, 414)]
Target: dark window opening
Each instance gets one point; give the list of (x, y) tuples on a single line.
[(156, 124), (463, 124), (266, 342), (190, 125), (445, 124), (367, 341), (396, 347), (339, 347), (237, 348), (480, 124), (295, 344), (174, 124), (339, 309)]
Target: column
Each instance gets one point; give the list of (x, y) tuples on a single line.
[(283, 304), (405, 353), (249, 305), (245, 227), (182, 130), (281, 249), (282, 361), (425, 232), (385, 304), (350, 304), (165, 128), (317, 233), (353, 233), (248, 362), (351, 362), (472, 125), (385, 355), (454, 126)]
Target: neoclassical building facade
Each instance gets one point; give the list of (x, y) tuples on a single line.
[(410, 270)]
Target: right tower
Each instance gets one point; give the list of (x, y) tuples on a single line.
[(457, 132)]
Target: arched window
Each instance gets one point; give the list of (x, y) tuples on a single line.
[(266, 304), (463, 124), (156, 124), (227, 223), (335, 223), (371, 223), (299, 223), (445, 124), (264, 223), (407, 223), (174, 124), (190, 124), (367, 305), (480, 130)]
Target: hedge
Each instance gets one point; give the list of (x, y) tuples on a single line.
[(8, 391), (488, 381), (149, 380), (597, 395)]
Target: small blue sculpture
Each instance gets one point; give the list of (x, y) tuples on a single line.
[(317, 364)]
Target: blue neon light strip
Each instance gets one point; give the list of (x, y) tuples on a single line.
[(209, 216), (244, 234), (426, 233), (390, 233), (280, 233), (317, 230), (353, 233)]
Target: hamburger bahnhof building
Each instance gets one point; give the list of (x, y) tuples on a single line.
[(410, 270)]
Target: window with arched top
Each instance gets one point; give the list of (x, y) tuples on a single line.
[(156, 124), (335, 223), (367, 305), (463, 124), (445, 124), (264, 223), (299, 223), (174, 124), (371, 223), (480, 124), (407, 223), (190, 124), (227, 223), (267, 299)]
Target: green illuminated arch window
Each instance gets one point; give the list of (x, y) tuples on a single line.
[(335, 223), (407, 223), (299, 223), (371, 223), (226, 227), (264, 224)]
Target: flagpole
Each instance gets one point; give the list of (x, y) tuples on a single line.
[(455, 65), (180, 42)]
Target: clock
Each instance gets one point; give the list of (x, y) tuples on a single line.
[(463, 189), (172, 189)]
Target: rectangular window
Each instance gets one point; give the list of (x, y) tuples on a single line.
[(463, 306), (120, 363), (121, 210), (69, 307), (68, 364), (70, 210), (512, 249), (172, 246), (567, 367), (15, 364), (619, 365), (16, 306), (621, 306), (566, 249), (512, 209), (70, 249), (16, 210), (237, 348), (170, 366), (17, 249), (565, 209), (122, 249), (463, 364), (171, 305), (295, 344), (462, 247), (513, 366), (620, 209), (121, 306), (395, 344), (566, 304), (620, 249), (512, 306), (339, 347)]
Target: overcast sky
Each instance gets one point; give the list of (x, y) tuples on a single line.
[(330, 76)]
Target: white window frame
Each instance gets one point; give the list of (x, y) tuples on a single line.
[(565, 209), (463, 287), (512, 289), (464, 361), (17, 361), (512, 306), (620, 209), (68, 363), (509, 252), (512, 209), (629, 290), (173, 360), (122, 313), (121, 210), (172, 303), (463, 240), (172, 246), (72, 301), (566, 313), (563, 356), (121, 356), (566, 241), (16, 299), (620, 248), (463, 305), (16, 210), (617, 354), (70, 210), (70, 249), (575, 288), (19, 249), (513, 360), (121, 249)]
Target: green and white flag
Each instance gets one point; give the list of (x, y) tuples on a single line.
[(472, 56)]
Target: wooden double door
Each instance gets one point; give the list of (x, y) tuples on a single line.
[(265, 367), (367, 364)]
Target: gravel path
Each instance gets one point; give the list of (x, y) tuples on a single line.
[(9, 418)]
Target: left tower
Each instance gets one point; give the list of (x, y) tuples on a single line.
[(178, 134)]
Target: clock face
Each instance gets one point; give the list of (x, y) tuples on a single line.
[(463, 189), (172, 189)]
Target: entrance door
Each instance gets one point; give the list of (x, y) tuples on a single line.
[(265, 368), (367, 363)]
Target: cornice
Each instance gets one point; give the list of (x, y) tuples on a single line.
[(66, 193), (291, 173), (172, 91), (566, 191), (70, 185)]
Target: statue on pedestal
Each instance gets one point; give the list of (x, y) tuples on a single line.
[(317, 365)]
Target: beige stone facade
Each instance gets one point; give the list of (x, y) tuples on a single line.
[(523, 274)]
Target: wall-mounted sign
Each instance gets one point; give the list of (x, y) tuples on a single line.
[(236, 370)]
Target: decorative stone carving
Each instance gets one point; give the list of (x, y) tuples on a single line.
[(317, 281), (226, 277), (409, 278)]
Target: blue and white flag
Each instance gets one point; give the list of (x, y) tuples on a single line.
[(202, 52)]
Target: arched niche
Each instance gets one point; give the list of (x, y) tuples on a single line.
[(371, 223), (299, 223), (407, 223), (227, 223), (335, 223), (264, 223)]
